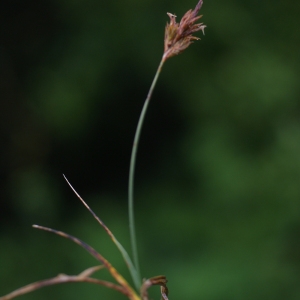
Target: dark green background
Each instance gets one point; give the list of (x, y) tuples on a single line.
[(218, 171)]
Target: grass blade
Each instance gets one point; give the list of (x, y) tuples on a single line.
[(118, 277), (132, 269), (63, 278)]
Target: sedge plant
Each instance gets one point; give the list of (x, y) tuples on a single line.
[(178, 36)]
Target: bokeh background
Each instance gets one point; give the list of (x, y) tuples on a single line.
[(218, 170)]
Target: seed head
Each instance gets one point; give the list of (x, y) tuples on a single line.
[(178, 36)]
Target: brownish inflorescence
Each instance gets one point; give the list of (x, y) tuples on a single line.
[(178, 36)]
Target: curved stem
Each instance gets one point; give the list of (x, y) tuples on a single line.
[(132, 170)]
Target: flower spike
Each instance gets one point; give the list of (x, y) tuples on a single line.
[(178, 36)]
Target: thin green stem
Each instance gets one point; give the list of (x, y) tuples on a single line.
[(132, 170)]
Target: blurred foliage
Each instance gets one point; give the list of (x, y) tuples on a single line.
[(218, 170)]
